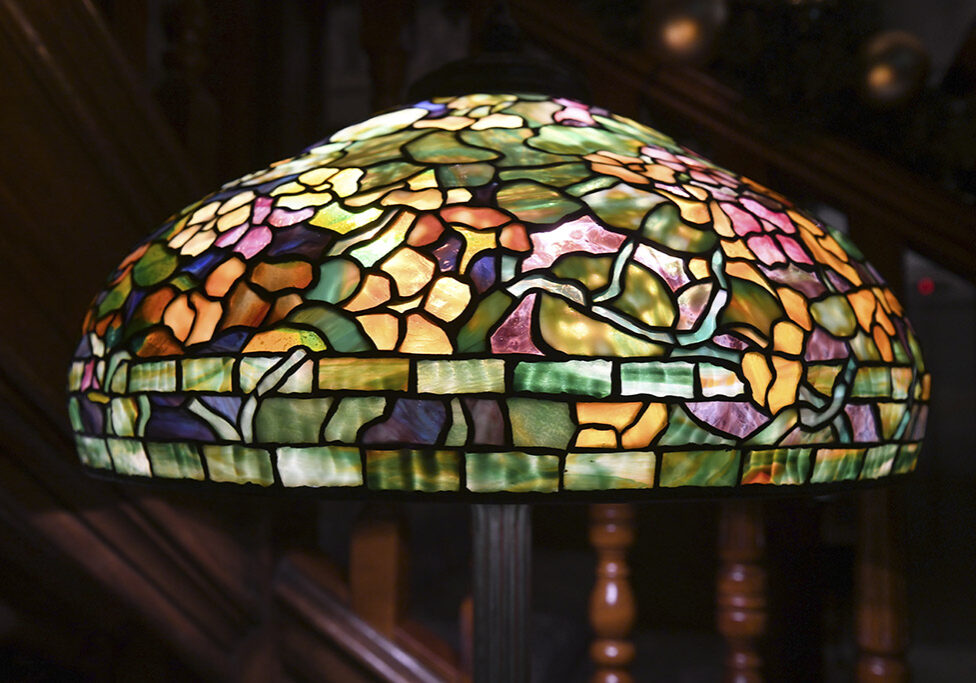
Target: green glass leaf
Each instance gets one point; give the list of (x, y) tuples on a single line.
[(621, 205), (376, 150), (835, 315), (579, 140), (464, 175), (664, 226), (509, 143), (157, 264), (752, 305), (593, 272), (559, 175), (443, 147), (534, 203), (645, 297), (340, 331)]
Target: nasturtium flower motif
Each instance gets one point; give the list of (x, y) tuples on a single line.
[(498, 293)]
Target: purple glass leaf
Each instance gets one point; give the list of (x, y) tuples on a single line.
[(483, 273), (447, 254), (865, 429), (583, 234), (92, 415), (413, 422), (173, 423), (796, 278), (283, 218), (489, 424), (823, 346), (736, 418), (227, 406), (514, 335), (299, 240)]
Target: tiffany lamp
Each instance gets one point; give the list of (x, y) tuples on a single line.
[(498, 297)]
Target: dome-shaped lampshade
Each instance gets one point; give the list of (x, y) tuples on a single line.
[(498, 293)]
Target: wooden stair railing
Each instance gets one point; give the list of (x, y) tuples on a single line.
[(893, 201)]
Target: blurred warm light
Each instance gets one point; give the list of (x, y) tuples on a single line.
[(682, 34)]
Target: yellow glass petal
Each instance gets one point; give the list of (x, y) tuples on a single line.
[(757, 374), (223, 276), (596, 437), (448, 298), (382, 328), (374, 291), (423, 336), (424, 200), (179, 317), (234, 218), (445, 123), (788, 338), (619, 415), (410, 270), (498, 121), (796, 307), (863, 303), (783, 390), (346, 181), (475, 242), (650, 423)]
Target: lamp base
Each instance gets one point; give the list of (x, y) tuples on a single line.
[(502, 548)]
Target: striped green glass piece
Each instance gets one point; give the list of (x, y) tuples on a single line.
[(657, 378), (699, 468), (320, 466), (353, 412), (458, 433), (208, 374), (683, 431), (129, 456), (540, 423), (123, 415), (836, 464), (413, 470), (719, 381), (907, 458), (901, 380), (872, 382), (579, 377), (364, 374), (239, 464), (252, 369), (290, 420), (175, 460), (300, 380), (517, 472), (618, 470), (461, 376), (878, 461), (779, 466), (157, 375), (822, 377), (93, 452)]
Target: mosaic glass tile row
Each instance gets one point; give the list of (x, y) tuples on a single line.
[(498, 293), (430, 470)]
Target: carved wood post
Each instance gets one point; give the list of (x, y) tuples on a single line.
[(741, 593), (377, 567), (502, 549), (880, 610), (612, 609)]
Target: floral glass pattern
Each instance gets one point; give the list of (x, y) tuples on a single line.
[(498, 293)]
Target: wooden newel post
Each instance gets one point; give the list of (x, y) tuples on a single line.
[(741, 595), (378, 567), (612, 609), (880, 610)]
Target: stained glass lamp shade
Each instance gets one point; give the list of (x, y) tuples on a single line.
[(498, 294)]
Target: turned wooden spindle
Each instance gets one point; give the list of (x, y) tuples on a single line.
[(880, 609), (378, 567), (741, 596), (612, 609)]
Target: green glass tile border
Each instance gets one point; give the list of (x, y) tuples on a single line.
[(666, 379), (440, 470), (318, 466), (611, 470), (474, 375), (699, 468), (413, 470), (777, 466), (837, 464), (511, 472), (239, 464), (580, 377)]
